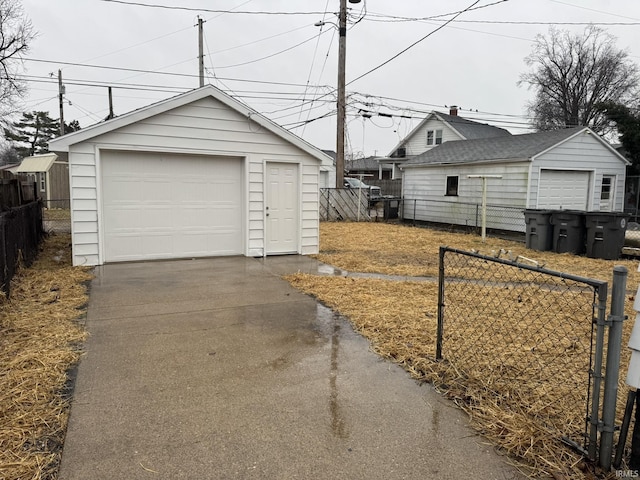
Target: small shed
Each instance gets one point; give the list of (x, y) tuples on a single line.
[(196, 175), (51, 175), (562, 169)]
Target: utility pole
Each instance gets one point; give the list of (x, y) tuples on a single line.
[(110, 116), (200, 52), (342, 59), (61, 101)]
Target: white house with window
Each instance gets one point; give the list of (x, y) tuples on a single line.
[(438, 128), (562, 169)]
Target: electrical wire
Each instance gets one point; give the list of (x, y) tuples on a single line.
[(209, 10), (313, 61), (269, 56), (414, 43), (154, 72)]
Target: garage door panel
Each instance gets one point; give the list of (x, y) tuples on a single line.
[(171, 206), (566, 189)]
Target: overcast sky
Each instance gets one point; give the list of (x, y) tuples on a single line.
[(474, 62)]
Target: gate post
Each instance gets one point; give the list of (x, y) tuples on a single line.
[(616, 318)]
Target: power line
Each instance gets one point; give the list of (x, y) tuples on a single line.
[(269, 56), (155, 72), (209, 10), (395, 18), (414, 43)]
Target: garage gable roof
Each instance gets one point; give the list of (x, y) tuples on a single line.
[(507, 148), (62, 144), (37, 163)]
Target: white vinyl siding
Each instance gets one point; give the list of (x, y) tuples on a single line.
[(427, 185), (418, 142), (205, 126)]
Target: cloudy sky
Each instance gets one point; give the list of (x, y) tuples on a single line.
[(269, 54)]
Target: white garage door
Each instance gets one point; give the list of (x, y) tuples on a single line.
[(565, 189), (158, 206)]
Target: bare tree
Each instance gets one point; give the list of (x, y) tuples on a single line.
[(16, 33), (571, 74)]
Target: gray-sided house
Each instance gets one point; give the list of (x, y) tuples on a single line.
[(199, 174), (51, 175), (562, 169)]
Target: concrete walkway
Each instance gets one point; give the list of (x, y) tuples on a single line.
[(218, 369)]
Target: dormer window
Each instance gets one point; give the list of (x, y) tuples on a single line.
[(434, 137)]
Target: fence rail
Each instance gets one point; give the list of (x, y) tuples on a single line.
[(530, 343)]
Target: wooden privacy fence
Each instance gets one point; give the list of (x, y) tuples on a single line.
[(16, 190), (343, 204), (388, 187)]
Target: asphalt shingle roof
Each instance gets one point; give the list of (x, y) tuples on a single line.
[(472, 130), (367, 163), (512, 147)]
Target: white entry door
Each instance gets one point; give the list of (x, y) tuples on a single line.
[(282, 208)]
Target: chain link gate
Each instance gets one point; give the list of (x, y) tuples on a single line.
[(525, 341)]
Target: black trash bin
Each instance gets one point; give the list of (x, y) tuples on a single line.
[(569, 233), (391, 207), (605, 234), (539, 233)]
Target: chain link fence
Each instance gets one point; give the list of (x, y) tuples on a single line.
[(57, 216), (525, 343), (464, 214)]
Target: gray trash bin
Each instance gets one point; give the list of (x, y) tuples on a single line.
[(569, 233), (539, 232), (605, 234)]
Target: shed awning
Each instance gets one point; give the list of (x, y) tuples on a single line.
[(37, 163)]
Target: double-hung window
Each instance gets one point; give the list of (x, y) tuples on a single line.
[(434, 137)]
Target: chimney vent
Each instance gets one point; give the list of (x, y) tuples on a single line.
[(453, 110)]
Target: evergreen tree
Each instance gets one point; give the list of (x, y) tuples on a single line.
[(30, 135)]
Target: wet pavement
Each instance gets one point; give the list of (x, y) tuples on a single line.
[(218, 369)]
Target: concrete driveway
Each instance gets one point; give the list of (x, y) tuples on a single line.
[(218, 369)]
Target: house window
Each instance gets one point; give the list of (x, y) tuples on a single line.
[(434, 137), (607, 185), (452, 186), (42, 181)]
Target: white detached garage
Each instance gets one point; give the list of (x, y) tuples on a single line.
[(569, 169), (196, 175)]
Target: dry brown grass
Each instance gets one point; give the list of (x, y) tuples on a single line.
[(400, 320), (40, 339), (405, 250)]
